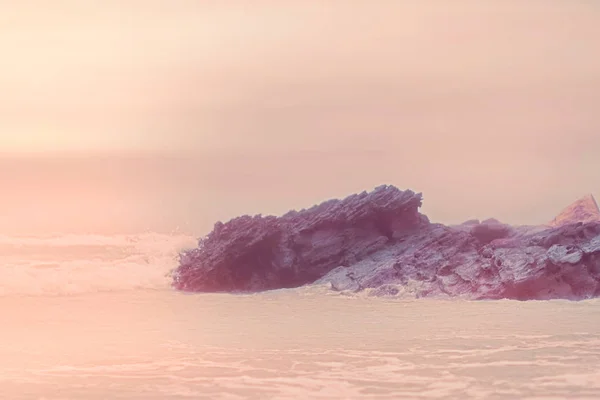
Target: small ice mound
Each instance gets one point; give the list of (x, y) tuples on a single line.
[(490, 230), (411, 289), (354, 281), (340, 279), (583, 210), (304, 291), (384, 291)]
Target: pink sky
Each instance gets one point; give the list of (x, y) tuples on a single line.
[(489, 108)]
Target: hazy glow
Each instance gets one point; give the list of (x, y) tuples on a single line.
[(487, 107)]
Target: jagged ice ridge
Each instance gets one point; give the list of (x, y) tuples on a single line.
[(379, 241)]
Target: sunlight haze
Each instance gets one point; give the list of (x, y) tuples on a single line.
[(488, 108)]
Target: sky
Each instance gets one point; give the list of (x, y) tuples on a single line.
[(135, 115)]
